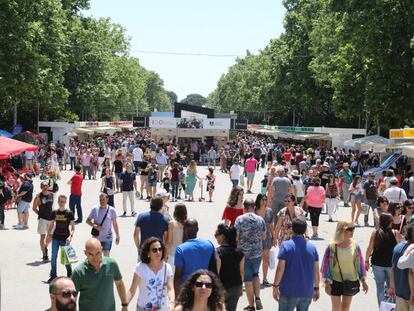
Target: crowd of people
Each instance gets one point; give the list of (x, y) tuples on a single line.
[(177, 269)]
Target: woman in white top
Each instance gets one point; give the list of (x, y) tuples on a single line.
[(298, 187), (176, 231), (154, 278)]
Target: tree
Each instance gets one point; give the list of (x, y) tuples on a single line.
[(195, 100)]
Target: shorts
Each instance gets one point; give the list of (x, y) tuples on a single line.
[(152, 183), (106, 245), (250, 176), (42, 226), (357, 197), (337, 288), (23, 207), (251, 268)]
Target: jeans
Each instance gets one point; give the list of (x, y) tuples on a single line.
[(373, 205), (174, 189), (55, 250), (87, 169), (75, 201), (125, 196), (382, 277), (290, 303), (1, 214), (72, 163), (235, 182)]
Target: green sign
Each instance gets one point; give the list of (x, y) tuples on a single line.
[(296, 129)]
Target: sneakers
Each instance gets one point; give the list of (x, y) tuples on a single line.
[(330, 220), (123, 214), (259, 305), (45, 258), (265, 283), (249, 191), (50, 279), (248, 308), (18, 226), (134, 214)]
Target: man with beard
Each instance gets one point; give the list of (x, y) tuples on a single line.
[(62, 294)]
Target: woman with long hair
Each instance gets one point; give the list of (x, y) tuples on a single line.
[(332, 196), (395, 209), (270, 189), (357, 196), (343, 267), (234, 207), (201, 291), (408, 212), (380, 248), (176, 231), (315, 199), (191, 180), (267, 214), (283, 229), (154, 278), (230, 265)]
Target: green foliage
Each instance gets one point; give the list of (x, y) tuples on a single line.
[(195, 100), (337, 62), (72, 67)]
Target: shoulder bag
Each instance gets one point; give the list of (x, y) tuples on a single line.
[(94, 231), (349, 288)]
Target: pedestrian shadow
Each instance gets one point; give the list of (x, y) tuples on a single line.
[(37, 263)]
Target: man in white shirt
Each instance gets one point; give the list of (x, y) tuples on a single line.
[(234, 173), (29, 155), (212, 156), (138, 155), (395, 194)]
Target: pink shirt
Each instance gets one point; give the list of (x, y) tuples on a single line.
[(250, 165), (315, 196)]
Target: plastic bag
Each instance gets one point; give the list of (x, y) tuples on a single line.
[(68, 255), (387, 306), (272, 258), (242, 180)]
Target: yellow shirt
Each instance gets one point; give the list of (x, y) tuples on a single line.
[(346, 261)]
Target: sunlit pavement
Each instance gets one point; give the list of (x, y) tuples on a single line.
[(23, 273)]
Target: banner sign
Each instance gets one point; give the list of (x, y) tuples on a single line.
[(239, 124), (140, 122), (189, 123)]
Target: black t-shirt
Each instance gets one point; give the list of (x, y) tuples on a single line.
[(324, 176), (118, 166), (370, 190), (27, 186), (62, 221), (128, 181), (142, 166), (230, 266), (45, 206)]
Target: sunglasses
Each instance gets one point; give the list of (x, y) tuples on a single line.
[(350, 229), (288, 201), (156, 250), (68, 293), (201, 284), (264, 199)]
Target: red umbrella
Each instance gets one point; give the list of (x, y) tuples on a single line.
[(9, 146), (39, 137)]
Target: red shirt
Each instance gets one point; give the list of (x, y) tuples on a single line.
[(232, 213), (76, 185)]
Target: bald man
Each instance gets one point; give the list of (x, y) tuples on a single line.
[(62, 294), (94, 280)]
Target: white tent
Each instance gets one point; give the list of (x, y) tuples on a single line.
[(375, 143), (408, 150)]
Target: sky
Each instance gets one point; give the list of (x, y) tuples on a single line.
[(216, 27)]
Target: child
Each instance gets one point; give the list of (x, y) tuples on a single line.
[(210, 183), (181, 178), (152, 182), (166, 181), (264, 181)]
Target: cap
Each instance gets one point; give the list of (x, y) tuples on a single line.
[(28, 175), (295, 173), (393, 180)]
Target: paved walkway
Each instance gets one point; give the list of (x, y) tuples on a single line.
[(23, 273)]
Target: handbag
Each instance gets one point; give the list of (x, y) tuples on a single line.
[(94, 231), (349, 288)]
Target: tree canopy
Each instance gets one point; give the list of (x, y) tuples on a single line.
[(70, 66), (338, 63)]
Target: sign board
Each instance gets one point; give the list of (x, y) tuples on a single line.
[(162, 122), (189, 123), (402, 133), (218, 124), (140, 122), (239, 124)]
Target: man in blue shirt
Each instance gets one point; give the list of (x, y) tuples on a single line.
[(297, 274), (151, 223), (399, 285), (192, 255)]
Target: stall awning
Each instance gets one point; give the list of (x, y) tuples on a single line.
[(9, 146), (375, 143)]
